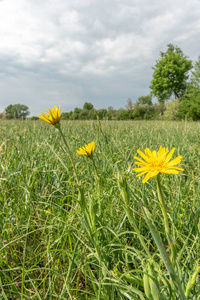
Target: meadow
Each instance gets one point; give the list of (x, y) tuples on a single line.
[(103, 238)]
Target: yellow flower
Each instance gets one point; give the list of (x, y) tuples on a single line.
[(87, 150), (155, 163), (48, 211), (52, 116)]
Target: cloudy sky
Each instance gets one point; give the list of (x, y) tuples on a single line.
[(70, 52)]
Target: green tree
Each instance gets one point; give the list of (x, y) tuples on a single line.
[(84, 115), (9, 112), (195, 77), (17, 111), (88, 106), (159, 109), (139, 111), (145, 100), (34, 118), (92, 114), (77, 110), (102, 113), (170, 74), (172, 110), (129, 105), (67, 115), (122, 114), (111, 113), (190, 103), (76, 113), (143, 108)]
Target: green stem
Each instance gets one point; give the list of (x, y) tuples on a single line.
[(69, 152), (98, 184), (164, 212), (96, 172), (163, 207), (94, 166)]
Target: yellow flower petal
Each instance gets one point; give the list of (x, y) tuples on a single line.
[(156, 162), (142, 154), (52, 116), (169, 156), (140, 169), (139, 159), (147, 152), (175, 161), (146, 177), (142, 173), (87, 150)]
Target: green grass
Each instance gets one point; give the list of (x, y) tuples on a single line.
[(87, 247)]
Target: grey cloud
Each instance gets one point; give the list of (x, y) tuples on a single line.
[(103, 51)]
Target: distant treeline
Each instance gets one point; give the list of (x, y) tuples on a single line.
[(142, 109), (173, 77)]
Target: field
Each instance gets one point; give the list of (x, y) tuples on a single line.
[(104, 237)]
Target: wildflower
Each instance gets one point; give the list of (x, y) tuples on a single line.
[(156, 162), (52, 116), (87, 150), (48, 211)]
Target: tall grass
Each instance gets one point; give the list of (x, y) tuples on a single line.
[(61, 240)]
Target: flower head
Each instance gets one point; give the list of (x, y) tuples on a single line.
[(87, 150), (48, 211), (156, 162), (52, 116)]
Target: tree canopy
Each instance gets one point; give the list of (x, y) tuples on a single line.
[(190, 101), (17, 111), (88, 106), (170, 74), (195, 78)]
